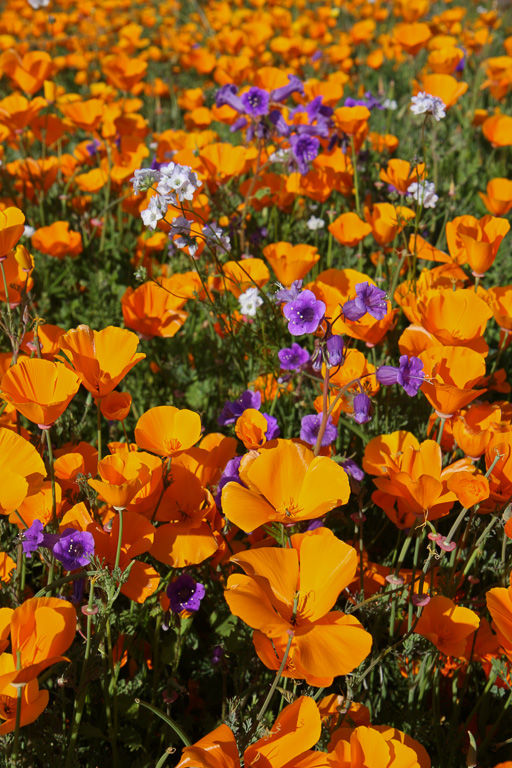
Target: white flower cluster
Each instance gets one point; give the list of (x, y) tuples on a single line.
[(425, 103), (37, 4), (211, 233), (174, 184), (314, 223), (423, 193), (250, 301), (390, 104)]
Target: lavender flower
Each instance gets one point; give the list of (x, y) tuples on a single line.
[(282, 93), (310, 427), (293, 357), (334, 351), (352, 469), (284, 295), (256, 101), (185, 594), (273, 430), (32, 538), (362, 407), (230, 475), (425, 103), (74, 549), (234, 408), (409, 374), (304, 314), (304, 150), (369, 299)]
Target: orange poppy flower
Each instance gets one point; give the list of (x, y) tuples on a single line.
[(292, 591), (166, 430), (122, 477), (86, 115), (470, 489), (496, 129), (72, 461), (11, 229), (383, 219), (22, 470), (482, 238), (48, 337), (33, 701), (351, 120), (42, 629), (450, 375), (383, 142), (499, 604), (444, 61), (39, 389), (116, 406), (445, 87), (474, 428), (122, 72), (381, 453), (17, 277), (400, 174), (38, 506), (447, 625), (348, 229), (500, 302), (375, 746), (244, 274), (286, 483), (355, 367), (498, 199), (501, 475), (58, 240), (251, 428), (7, 566), (101, 358), (412, 37), (27, 72), (456, 318), (290, 262), (287, 745), (186, 537), (151, 310), (17, 112)]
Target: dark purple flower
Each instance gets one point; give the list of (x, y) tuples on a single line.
[(238, 124), (362, 406), (93, 147), (304, 150), (310, 427), (32, 538), (217, 654), (282, 93), (233, 409), (256, 101), (227, 94), (285, 295), (335, 351), (352, 469), (230, 475), (462, 63), (78, 591), (74, 549), (317, 108), (273, 430), (313, 525), (369, 299), (293, 357), (185, 594), (409, 374), (304, 314), (280, 123)]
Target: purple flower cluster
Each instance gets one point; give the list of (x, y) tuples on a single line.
[(72, 548), (369, 299), (234, 408), (294, 357), (185, 594)]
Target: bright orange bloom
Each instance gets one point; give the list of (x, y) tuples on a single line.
[(499, 604), (251, 428), (42, 629), (101, 358), (166, 430), (444, 61), (244, 274), (85, 114), (39, 389), (474, 428), (27, 72), (413, 37), (295, 731), (122, 72), (482, 238), (17, 277), (285, 482), (450, 375), (456, 318), (38, 506), (498, 199), (500, 302), (447, 625), (401, 174), (351, 120), (290, 592), (497, 130), (375, 746), (349, 229), (17, 112), (122, 477), (152, 310), (33, 701), (11, 229), (58, 240), (116, 406), (22, 470), (445, 87), (469, 489), (290, 262), (383, 219)]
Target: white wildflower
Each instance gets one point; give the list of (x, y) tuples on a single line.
[(155, 211), (178, 181), (28, 231), (143, 179), (37, 4), (390, 104), (314, 223), (423, 193), (425, 103), (250, 301)]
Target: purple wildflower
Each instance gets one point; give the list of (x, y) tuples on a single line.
[(282, 93), (228, 95), (273, 430), (32, 538), (185, 594), (352, 469), (304, 314), (217, 654), (230, 475), (369, 299), (409, 374), (233, 409), (335, 351), (313, 525), (74, 549), (362, 406), (284, 295), (304, 150), (310, 427), (256, 101), (293, 357)]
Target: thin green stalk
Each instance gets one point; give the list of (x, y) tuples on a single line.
[(119, 537), (175, 727), (52, 479), (356, 177)]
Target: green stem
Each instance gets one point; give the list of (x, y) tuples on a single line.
[(175, 727), (356, 177), (119, 537)]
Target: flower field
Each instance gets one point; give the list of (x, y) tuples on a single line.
[(255, 417)]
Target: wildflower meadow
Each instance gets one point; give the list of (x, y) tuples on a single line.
[(255, 376)]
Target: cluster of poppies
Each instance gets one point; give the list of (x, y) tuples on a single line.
[(333, 529)]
